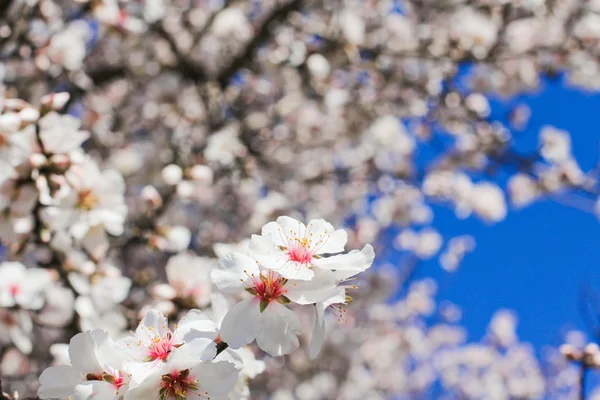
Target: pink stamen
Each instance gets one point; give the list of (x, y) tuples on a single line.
[(161, 347), (268, 287)]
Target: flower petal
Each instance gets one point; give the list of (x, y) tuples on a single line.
[(82, 351), (233, 271), (242, 323), (58, 382), (355, 261), (279, 331), (216, 378), (195, 324), (96, 390), (318, 333)]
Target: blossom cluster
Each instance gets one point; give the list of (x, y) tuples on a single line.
[(143, 142), (202, 358)]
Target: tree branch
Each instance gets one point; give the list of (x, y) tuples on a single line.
[(262, 35)]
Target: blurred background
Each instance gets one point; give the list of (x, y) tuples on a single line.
[(458, 137)]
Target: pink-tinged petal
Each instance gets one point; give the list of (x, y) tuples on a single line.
[(318, 333), (233, 271), (58, 382), (216, 378), (242, 323), (279, 331)]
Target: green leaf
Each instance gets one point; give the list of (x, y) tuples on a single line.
[(263, 304), (251, 291), (283, 300), (163, 393)]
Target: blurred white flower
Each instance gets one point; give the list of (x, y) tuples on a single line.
[(522, 190), (473, 30), (21, 286), (232, 23), (97, 199), (488, 202), (68, 47), (555, 144), (224, 146), (189, 278)]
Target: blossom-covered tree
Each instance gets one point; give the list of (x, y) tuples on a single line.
[(181, 158)]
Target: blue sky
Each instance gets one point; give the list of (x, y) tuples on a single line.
[(537, 260)]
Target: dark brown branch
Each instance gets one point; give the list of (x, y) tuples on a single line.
[(263, 34), (221, 346), (582, 376), (186, 67)]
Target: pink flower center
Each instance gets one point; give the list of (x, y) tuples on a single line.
[(14, 289), (117, 378), (161, 347), (86, 200), (302, 246), (268, 287), (178, 385)]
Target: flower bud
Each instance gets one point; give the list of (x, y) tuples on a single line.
[(172, 174), (29, 115), (37, 160), (151, 197), (570, 352)]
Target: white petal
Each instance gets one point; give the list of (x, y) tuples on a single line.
[(195, 324), (272, 231), (96, 242), (356, 261), (266, 252), (334, 243), (219, 306), (310, 292), (152, 325), (291, 227), (216, 378), (318, 333), (279, 330), (251, 367), (296, 271), (242, 323), (148, 388), (82, 351), (96, 390), (321, 233), (233, 271), (190, 353), (58, 382)]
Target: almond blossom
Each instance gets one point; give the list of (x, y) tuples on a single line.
[(293, 250), (189, 280), (153, 342), (21, 286), (188, 373), (263, 316), (95, 371), (96, 199)]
